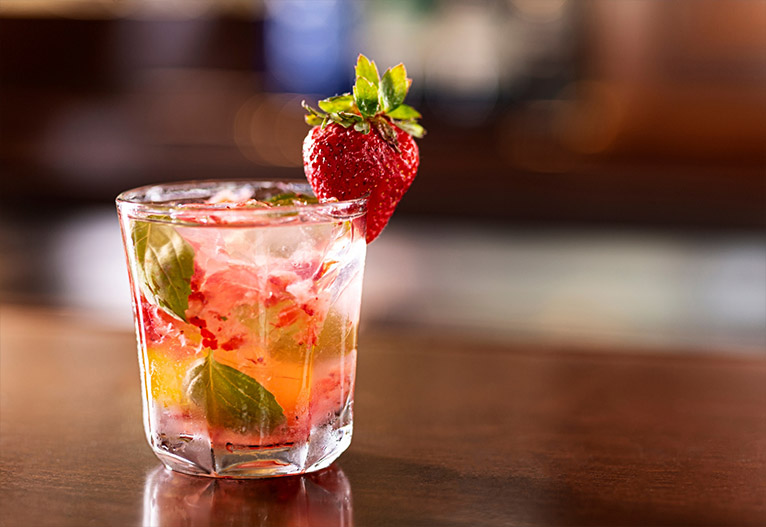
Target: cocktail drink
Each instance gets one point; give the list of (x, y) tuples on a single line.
[(246, 294), (246, 299)]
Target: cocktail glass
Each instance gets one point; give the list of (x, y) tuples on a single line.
[(246, 299)]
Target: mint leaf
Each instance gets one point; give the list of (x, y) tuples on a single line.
[(232, 399), (166, 264), (393, 87), (339, 103), (367, 69), (290, 199), (366, 97), (404, 111)]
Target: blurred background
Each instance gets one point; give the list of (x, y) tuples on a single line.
[(594, 171)]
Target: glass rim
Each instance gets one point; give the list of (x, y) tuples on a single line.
[(134, 203)]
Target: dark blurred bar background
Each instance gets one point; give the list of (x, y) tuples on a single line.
[(592, 169)]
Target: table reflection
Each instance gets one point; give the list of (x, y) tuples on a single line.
[(318, 499)]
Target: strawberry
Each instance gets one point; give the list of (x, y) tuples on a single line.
[(362, 143)]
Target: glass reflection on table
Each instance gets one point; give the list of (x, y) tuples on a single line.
[(317, 499)]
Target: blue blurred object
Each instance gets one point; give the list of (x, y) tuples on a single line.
[(309, 46)]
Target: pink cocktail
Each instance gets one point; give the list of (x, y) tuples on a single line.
[(246, 299)]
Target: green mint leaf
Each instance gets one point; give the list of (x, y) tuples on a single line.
[(289, 199), (367, 69), (339, 103), (411, 127), (393, 87), (404, 111), (366, 97), (232, 399), (166, 264)]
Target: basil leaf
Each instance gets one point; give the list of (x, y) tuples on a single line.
[(231, 399), (404, 111), (393, 87), (339, 103), (367, 69), (166, 265), (366, 97)]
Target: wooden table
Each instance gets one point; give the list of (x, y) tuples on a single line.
[(448, 431)]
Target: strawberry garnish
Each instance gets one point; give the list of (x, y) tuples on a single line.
[(362, 143)]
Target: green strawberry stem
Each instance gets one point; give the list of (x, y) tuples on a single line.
[(375, 104)]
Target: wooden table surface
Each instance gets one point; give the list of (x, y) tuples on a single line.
[(448, 431)]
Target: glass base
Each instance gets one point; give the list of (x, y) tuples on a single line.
[(199, 457)]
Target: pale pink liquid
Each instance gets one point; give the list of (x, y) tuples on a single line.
[(278, 303)]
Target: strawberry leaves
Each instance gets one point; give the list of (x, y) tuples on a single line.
[(362, 127), (387, 132), (367, 69), (313, 117), (376, 103), (393, 87), (411, 127), (404, 112), (339, 103), (366, 97)]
